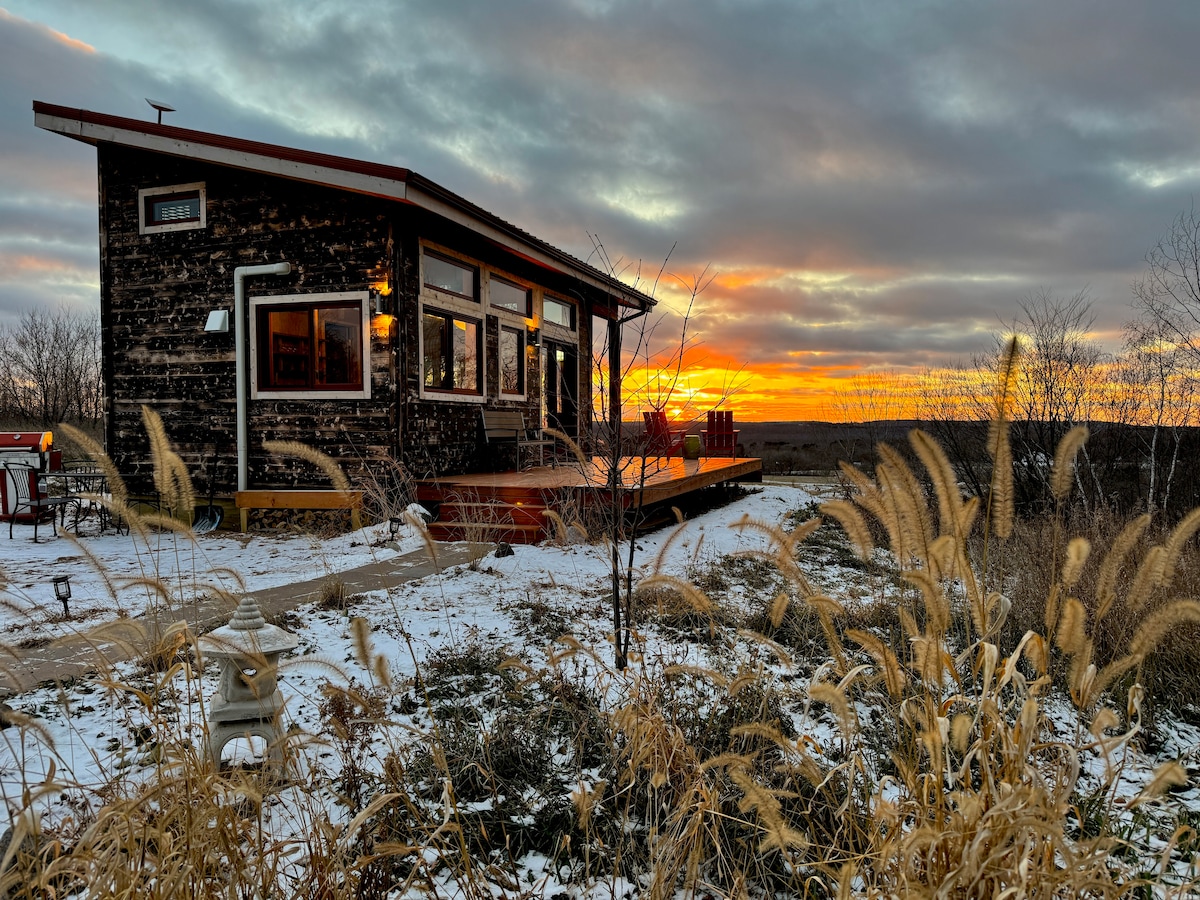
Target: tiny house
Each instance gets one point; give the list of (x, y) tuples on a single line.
[(253, 292)]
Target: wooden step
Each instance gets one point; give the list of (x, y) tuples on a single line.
[(430, 492), (451, 511), (486, 532)]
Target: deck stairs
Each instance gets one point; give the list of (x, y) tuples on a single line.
[(486, 513)]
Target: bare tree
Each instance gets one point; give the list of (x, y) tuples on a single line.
[(624, 466), (50, 368), (951, 407), (1169, 291), (866, 406), (1161, 392), (1061, 383), (1060, 386)]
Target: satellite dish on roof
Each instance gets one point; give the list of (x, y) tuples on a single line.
[(161, 107)]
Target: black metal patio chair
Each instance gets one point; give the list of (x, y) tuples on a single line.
[(23, 482)]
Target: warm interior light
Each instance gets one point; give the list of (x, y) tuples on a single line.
[(383, 288)]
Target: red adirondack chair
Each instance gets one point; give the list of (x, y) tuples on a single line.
[(660, 438), (720, 438)]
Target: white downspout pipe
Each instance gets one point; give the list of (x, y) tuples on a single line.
[(240, 274)]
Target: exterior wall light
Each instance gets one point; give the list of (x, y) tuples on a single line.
[(379, 291), (218, 321)]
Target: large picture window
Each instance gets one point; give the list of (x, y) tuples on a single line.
[(452, 353), (311, 346)]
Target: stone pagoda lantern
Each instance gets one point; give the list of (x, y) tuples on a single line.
[(247, 702)]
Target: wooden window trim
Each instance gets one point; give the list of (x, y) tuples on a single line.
[(344, 299), (522, 373), (574, 307), (527, 312), (426, 252), (469, 395), (148, 196)]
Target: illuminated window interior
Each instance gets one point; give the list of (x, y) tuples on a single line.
[(452, 350)]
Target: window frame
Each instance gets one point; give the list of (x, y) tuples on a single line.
[(147, 195), (439, 301), (440, 291), (575, 315), (522, 365), (311, 301), (526, 313), (449, 317)]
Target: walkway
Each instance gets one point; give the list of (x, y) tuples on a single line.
[(75, 656)]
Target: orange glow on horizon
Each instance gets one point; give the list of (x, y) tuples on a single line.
[(786, 392), (771, 393)]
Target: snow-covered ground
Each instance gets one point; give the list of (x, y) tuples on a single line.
[(111, 573), (566, 585), (515, 605)]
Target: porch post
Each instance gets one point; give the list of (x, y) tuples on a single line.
[(614, 393)]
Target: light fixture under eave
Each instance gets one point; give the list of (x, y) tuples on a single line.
[(379, 291)]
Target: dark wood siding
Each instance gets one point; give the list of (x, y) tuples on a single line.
[(158, 289)]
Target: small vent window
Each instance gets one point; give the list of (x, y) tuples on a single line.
[(175, 208), (184, 208)]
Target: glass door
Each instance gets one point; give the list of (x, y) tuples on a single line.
[(560, 387)]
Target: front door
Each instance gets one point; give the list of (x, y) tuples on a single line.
[(560, 387)]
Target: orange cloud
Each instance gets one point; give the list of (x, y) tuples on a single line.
[(70, 41), (64, 39), (27, 265)]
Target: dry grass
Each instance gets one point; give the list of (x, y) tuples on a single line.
[(827, 748)]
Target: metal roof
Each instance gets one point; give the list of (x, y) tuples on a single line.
[(375, 179)]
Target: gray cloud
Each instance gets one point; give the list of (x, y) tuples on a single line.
[(941, 160)]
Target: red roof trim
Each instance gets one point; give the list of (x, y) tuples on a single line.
[(625, 294)]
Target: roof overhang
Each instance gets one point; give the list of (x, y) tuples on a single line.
[(361, 177)]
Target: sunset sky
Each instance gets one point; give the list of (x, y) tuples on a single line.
[(873, 186)]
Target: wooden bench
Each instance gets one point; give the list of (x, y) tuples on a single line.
[(301, 499), (508, 426)]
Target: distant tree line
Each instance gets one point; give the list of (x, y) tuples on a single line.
[(1139, 403), (50, 369)]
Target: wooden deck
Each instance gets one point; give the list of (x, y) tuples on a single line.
[(510, 506)]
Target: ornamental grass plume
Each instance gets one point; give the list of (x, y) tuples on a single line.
[(921, 750)]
